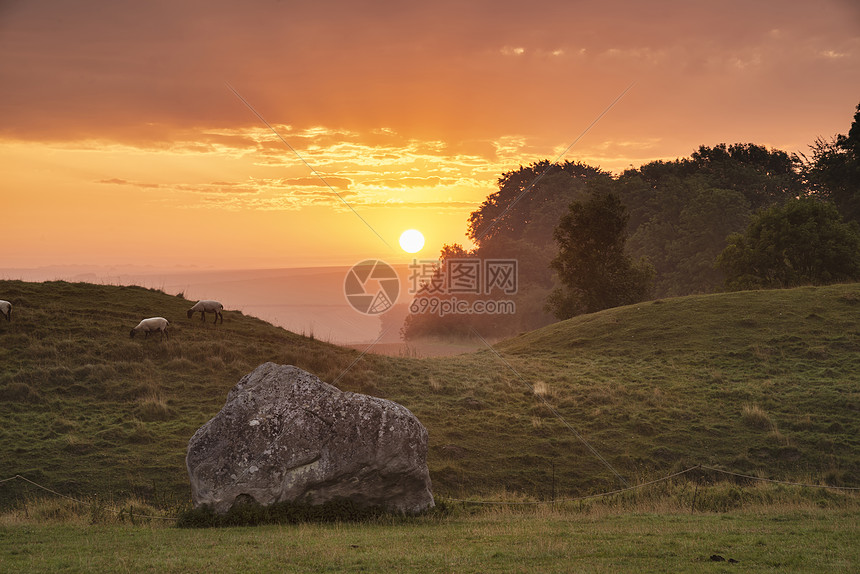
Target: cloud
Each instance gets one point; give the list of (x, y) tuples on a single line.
[(397, 105), (339, 183), (396, 172), (831, 54), (120, 181), (406, 92), (450, 71), (444, 205), (220, 187), (115, 181), (513, 51), (408, 182)]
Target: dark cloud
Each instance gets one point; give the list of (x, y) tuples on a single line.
[(142, 72)]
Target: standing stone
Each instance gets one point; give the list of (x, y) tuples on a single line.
[(286, 436)]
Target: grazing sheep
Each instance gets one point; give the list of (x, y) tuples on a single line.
[(207, 305), (6, 309), (150, 325)]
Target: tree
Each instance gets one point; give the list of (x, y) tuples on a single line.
[(684, 238), (515, 223), (427, 324), (527, 198), (802, 242), (833, 173), (592, 266), (764, 176), (683, 210)]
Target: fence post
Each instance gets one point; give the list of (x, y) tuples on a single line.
[(695, 495)]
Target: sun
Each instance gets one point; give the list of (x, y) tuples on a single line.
[(411, 241)]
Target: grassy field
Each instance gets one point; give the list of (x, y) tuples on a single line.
[(557, 539), (761, 383)]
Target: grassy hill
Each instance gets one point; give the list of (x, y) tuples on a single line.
[(757, 382)]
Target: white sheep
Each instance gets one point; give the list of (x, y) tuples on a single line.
[(207, 305), (150, 325), (6, 309)]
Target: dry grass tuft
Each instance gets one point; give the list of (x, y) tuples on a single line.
[(153, 407), (435, 384), (542, 389), (778, 438), (87, 511), (76, 444), (755, 417)]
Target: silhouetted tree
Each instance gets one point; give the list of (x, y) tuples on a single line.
[(530, 200), (834, 171), (764, 176)]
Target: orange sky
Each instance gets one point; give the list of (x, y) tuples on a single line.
[(120, 142)]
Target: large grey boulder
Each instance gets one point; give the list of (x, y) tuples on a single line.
[(284, 435)]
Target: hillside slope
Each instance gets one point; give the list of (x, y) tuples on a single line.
[(753, 382)]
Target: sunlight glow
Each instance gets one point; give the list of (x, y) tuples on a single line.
[(411, 241)]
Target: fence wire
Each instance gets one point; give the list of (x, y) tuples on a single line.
[(651, 482), (78, 501)]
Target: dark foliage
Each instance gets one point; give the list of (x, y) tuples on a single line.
[(592, 265), (250, 514), (683, 210), (529, 202), (802, 242), (833, 173)]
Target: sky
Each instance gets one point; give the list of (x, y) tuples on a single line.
[(263, 134)]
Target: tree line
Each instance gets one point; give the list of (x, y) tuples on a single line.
[(728, 217)]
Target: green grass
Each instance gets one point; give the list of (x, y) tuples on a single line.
[(756, 382), (498, 540)]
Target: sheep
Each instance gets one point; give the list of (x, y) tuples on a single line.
[(150, 325), (6, 309), (207, 305)]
